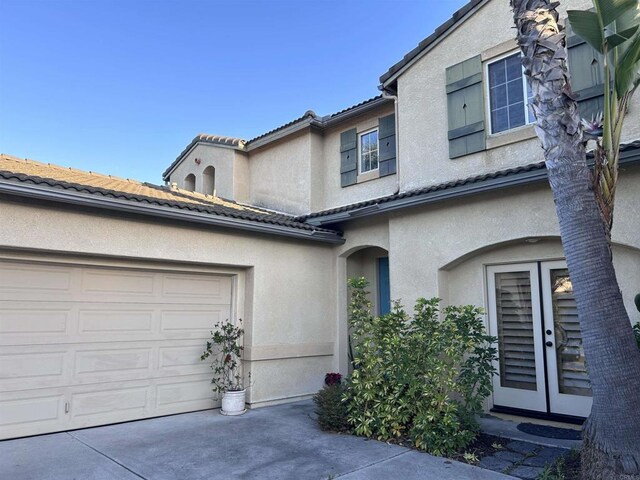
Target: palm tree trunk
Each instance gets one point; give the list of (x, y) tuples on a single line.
[(612, 432)]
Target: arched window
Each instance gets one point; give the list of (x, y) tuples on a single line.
[(190, 182), (209, 180)]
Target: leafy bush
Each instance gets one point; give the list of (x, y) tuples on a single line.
[(225, 353), (331, 410), (418, 376)]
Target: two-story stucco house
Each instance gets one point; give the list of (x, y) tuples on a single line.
[(436, 187)]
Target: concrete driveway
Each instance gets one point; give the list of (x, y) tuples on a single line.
[(281, 442)]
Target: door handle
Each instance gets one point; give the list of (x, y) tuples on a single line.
[(549, 344)]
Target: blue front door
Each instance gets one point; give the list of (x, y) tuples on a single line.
[(384, 289)]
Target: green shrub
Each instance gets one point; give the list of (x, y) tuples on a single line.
[(418, 376), (331, 410)]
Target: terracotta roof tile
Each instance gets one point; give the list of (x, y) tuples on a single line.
[(48, 175)]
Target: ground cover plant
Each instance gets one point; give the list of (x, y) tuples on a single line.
[(421, 377)]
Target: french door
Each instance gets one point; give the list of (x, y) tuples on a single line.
[(541, 365)]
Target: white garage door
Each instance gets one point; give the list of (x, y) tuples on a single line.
[(83, 346)]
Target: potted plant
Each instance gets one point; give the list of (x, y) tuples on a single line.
[(225, 351)]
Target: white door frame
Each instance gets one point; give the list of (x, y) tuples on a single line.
[(507, 396)]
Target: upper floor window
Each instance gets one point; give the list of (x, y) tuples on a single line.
[(509, 94), (368, 150)]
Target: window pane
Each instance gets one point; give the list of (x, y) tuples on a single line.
[(499, 120), (514, 67), (374, 159), (498, 97), (514, 91), (516, 115), (497, 73)]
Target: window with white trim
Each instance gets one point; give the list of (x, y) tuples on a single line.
[(368, 151), (510, 95)]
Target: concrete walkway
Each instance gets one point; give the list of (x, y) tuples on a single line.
[(280, 442)]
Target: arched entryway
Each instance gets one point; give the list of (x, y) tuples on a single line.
[(372, 263)]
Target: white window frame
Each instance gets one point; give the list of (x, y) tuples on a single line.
[(527, 117), (360, 135)]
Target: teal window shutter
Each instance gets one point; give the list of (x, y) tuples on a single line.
[(587, 74), (465, 107), (348, 157), (387, 145)]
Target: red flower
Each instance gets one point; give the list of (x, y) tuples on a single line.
[(227, 359), (332, 379)]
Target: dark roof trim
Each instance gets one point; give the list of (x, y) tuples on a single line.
[(157, 209), (525, 175), (307, 120), (439, 33)]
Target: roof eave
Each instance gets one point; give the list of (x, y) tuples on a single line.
[(157, 211), (332, 120), (284, 132), (628, 157), (430, 197)]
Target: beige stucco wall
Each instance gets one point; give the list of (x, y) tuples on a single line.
[(288, 303), (220, 157), (422, 105), (280, 175)]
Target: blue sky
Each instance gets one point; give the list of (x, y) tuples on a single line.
[(122, 86)]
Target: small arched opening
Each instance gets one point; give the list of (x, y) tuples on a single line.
[(190, 182), (209, 181)]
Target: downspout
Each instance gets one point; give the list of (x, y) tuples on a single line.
[(386, 94)]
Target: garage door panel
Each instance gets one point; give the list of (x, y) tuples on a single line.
[(196, 287), (117, 283), (89, 346), (30, 365), (26, 415), (33, 280), (189, 323), (182, 360), (111, 401), (116, 319), (19, 319), (180, 395), (115, 361)]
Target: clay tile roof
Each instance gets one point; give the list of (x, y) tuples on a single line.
[(47, 175), (220, 140)]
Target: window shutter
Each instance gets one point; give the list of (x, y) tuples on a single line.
[(348, 157), (465, 106), (587, 74), (387, 144)]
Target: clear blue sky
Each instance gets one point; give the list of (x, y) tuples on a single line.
[(122, 86)]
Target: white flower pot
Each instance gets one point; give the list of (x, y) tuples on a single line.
[(233, 403)]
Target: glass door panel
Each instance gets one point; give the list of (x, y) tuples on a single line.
[(569, 386), (515, 318)]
